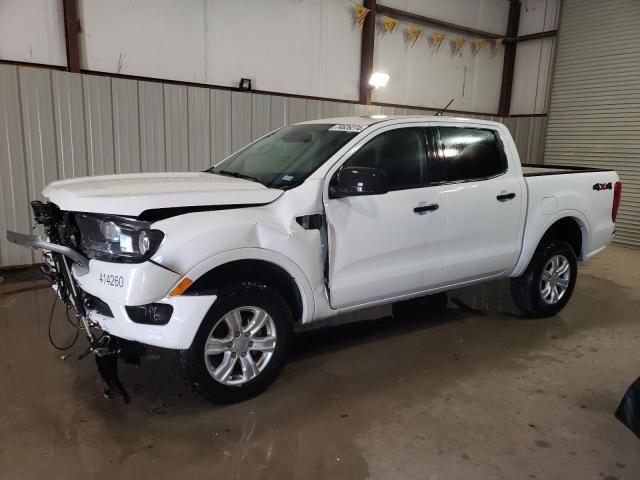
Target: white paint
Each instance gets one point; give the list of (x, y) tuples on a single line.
[(133, 193), (32, 31), (283, 46), (532, 76), (153, 38), (538, 16), (376, 251), (297, 47), (534, 58), (421, 76), (178, 334), (487, 15)]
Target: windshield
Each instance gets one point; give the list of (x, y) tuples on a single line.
[(286, 157)]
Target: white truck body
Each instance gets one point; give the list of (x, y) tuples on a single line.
[(370, 250)]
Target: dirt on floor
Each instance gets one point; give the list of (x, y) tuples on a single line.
[(475, 393)]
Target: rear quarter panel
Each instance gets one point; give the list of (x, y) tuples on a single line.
[(553, 197)]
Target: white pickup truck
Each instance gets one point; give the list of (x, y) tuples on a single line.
[(309, 221)]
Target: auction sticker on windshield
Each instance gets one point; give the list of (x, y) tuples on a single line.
[(347, 127)]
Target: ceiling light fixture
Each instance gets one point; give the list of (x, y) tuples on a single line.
[(378, 79)]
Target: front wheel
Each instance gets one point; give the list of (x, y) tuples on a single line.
[(547, 284), (241, 346)]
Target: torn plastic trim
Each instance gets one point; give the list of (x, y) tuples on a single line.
[(158, 214), (34, 241)]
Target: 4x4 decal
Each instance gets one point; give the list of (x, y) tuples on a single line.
[(602, 186)]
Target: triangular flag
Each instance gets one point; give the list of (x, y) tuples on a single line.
[(458, 43), (360, 13), (389, 24), (478, 43), (414, 34), (436, 40), (497, 43)]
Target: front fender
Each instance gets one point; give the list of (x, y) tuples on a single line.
[(292, 268)]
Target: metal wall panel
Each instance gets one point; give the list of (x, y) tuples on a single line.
[(176, 123), (240, 119), (278, 105), (594, 114), (98, 117), (126, 125), (199, 128), (151, 114), (260, 115), (68, 110), (296, 110), (14, 197), (38, 129), (220, 107), (61, 125)]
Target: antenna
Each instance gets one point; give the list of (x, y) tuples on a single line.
[(439, 113)]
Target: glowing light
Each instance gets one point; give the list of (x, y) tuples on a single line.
[(378, 79)]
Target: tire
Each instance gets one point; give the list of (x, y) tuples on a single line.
[(226, 375), (529, 290), (427, 305)]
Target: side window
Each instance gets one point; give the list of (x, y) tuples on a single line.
[(467, 154), (400, 153)]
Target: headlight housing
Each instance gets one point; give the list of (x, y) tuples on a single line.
[(117, 239)]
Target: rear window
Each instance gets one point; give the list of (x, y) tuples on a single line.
[(467, 154)]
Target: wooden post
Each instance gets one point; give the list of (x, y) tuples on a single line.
[(366, 52), (509, 58), (71, 30)]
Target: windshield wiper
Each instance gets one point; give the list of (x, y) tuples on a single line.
[(235, 174)]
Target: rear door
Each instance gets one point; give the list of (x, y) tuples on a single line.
[(379, 247), (484, 202)]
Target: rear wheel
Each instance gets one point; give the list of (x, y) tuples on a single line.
[(547, 284), (241, 346)]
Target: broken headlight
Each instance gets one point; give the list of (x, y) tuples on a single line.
[(117, 239)]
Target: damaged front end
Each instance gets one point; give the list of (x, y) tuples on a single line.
[(61, 251)]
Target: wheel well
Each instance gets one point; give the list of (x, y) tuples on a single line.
[(254, 270), (567, 229)]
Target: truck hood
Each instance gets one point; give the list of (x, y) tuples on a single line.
[(132, 194)]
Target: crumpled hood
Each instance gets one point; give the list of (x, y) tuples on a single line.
[(132, 194)]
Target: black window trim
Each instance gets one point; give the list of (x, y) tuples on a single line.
[(438, 151), (425, 142)]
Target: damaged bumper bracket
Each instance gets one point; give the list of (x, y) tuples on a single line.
[(107, 349), (33, 241)]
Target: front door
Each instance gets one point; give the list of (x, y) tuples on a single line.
[(379, 247)]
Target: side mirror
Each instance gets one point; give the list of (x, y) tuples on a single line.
[(354, 181)]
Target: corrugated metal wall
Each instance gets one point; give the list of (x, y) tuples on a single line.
[(594, 116), (57, 125)]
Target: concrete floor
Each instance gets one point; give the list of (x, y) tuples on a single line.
[(471, 394)]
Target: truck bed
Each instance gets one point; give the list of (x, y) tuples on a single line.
[(534, 170)]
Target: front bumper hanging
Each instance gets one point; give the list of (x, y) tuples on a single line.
[(107, 349)]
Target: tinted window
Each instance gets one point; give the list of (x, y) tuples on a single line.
[(467, 154), (400, 153)]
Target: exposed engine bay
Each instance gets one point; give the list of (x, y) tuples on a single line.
[(59, 253)]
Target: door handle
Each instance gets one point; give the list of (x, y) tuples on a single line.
[(426, 208), (505, 197)]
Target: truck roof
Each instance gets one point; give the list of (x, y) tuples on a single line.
[(373, 119)]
